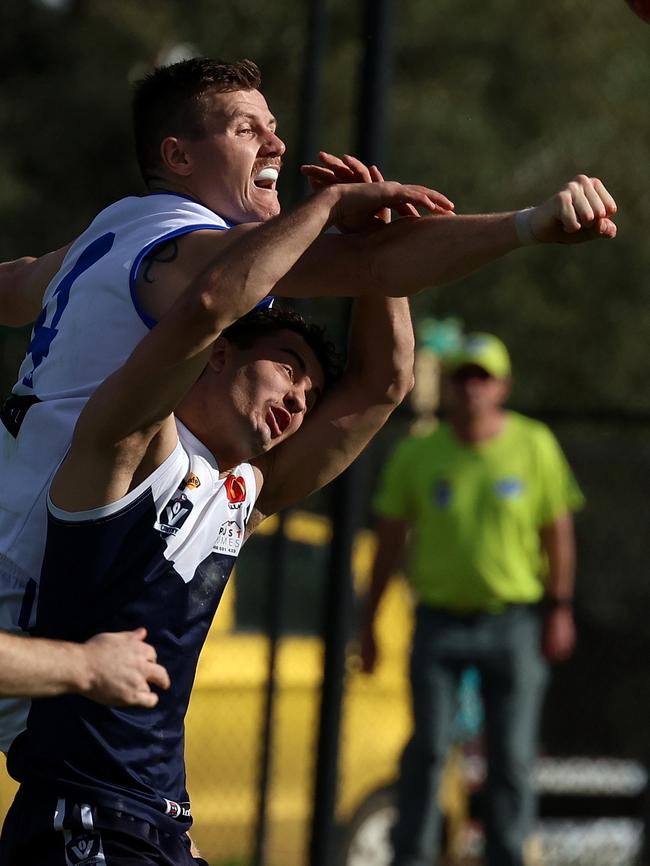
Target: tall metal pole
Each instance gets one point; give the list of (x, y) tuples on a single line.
[(276, 585), (309, 113), (346, 491)]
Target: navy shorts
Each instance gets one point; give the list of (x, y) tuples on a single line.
[(58, 832)]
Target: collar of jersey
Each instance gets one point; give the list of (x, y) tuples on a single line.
[(188, 198), (197, 447)]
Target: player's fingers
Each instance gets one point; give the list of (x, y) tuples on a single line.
[(592, 196), (145, 699), (605, 228), (605, 196), (317, 172), (565, 210), (584, 211), (332, 161), (440, 200), (156, 675), (429, 199), (361, 171), (375, 175), (139, 633), (338, 168), (407, 210)]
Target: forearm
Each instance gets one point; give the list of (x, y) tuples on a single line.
[(391, 542), (401, 258), (36, 667), (558, 542), (22, 285), (381, 349)]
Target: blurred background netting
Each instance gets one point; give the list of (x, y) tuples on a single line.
[(496, 104)]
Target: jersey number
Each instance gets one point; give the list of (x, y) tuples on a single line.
[(44, 334)]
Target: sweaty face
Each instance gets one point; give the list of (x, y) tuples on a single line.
[(236, 163), (265, 392)]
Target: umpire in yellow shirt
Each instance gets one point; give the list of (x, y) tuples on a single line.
[(484, 505)]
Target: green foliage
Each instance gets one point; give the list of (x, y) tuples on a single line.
[(496, 104)]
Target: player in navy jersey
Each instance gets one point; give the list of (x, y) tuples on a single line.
[(210, 155), (149, 509)]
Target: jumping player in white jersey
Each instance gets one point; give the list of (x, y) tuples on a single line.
[(210, 155), (166, 501)]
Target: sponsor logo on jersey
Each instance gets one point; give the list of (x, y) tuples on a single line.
[(177, 810), (174, 514), (229, 538), (235, 490), (508, 488), (84, 850), (442, 493), (191, 482)]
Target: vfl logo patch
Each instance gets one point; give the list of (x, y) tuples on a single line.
[(174, 514), (85, 849), (235, 490), (508, 488), (442, 493)]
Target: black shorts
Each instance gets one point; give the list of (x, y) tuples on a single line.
[(45, 831)]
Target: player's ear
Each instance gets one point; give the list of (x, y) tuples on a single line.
[(174, 156), (219, 354)]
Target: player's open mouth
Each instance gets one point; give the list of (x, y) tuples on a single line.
[(266, 177), (278, 419)]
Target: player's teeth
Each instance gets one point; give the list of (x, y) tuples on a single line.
[(268, 173)]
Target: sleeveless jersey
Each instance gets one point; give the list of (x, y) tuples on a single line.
[(89, 325), (159, 557)]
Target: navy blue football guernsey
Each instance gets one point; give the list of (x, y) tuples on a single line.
[(159, 557)]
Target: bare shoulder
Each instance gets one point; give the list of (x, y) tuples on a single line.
[(171, 266)]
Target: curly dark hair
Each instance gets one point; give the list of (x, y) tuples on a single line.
[(171, 101), (259, 322)]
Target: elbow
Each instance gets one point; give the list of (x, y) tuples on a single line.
[(400, 388)]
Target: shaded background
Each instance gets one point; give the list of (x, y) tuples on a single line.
[(496, 104)]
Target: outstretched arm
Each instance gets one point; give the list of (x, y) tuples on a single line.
[(22, 286), (404, 257), (116, 669)]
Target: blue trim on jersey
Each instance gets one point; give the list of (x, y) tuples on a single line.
[(185, 230)]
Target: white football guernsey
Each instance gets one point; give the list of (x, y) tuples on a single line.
[(89, 325)]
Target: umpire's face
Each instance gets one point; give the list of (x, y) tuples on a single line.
[(233, 166), (471, 390)]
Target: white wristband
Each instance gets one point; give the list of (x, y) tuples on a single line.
[(523, 226)]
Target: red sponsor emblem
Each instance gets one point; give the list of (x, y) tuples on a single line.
[(235, 488)]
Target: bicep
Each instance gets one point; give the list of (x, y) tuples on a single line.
[(171, 267)]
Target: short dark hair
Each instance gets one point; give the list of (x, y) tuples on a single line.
[(260, 322), (170, 101)]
